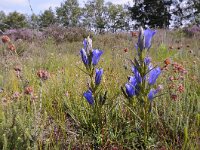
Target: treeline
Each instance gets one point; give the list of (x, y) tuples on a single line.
[(100, 16)]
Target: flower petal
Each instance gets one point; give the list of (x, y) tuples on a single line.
[(98, 76), (137, 74), (147, 60), (153, 75), (141, 39), (130, 90), (152, 94), (89, 97), (133, 81), (85, 43), (89, 43), (96, 54), (148, 34), (84, 56)]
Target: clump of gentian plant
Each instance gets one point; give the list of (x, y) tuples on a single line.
[(139, 90), (94, 95)]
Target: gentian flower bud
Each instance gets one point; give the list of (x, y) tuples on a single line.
[(98, 76), (148, 34), (137, 74), (85, 44), (147, 60), (96, 54), (88, 96), (153, 75), (150, 66), (152, 94), (141, 39), (84, 57), (145, 37), (89, 44), (133, 81), (130, 90)]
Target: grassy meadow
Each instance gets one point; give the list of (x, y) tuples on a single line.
[(53, 114)]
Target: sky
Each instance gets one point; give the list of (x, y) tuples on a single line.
[(39, 6)]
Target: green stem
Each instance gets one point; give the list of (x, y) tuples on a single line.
[(144, 96), (40, 96), (146, 119)]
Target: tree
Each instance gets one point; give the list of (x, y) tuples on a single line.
[(137, 12), (116, 17), (183, 12), (2, 18), (196, 5), (47, 18), (197, 11), (100, 15), (34, 21), (88, 17), (158, 13), (154, 13), (16, 20), (69, 13), (95, 15), (128, 22)]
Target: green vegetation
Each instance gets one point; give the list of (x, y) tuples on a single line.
[(39, 113)]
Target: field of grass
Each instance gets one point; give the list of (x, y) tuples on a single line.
[(53, 114)]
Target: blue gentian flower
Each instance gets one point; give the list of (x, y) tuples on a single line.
[(148, 34), (84, 56), (85, 43), (153, 75), (98, 76), (147, 60), (130, 90), (150, 66), (144, 39), (141, 39), (89, 97), (89, 44), (152, 94), (135, 84), (133, 81), (137, 74), (96, 54)]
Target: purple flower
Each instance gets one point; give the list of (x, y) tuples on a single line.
[(135, 84), (150, 67), (85, 43), (89, 97), (130, 90), (141, 39), (147, 60), (148, 34), (137, 74), (144, 40), (153, 75), (84, 56), (96, 54), (152, 94), (98, 76), (133, 81)]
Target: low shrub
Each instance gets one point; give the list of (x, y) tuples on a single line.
[(62, 34)]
